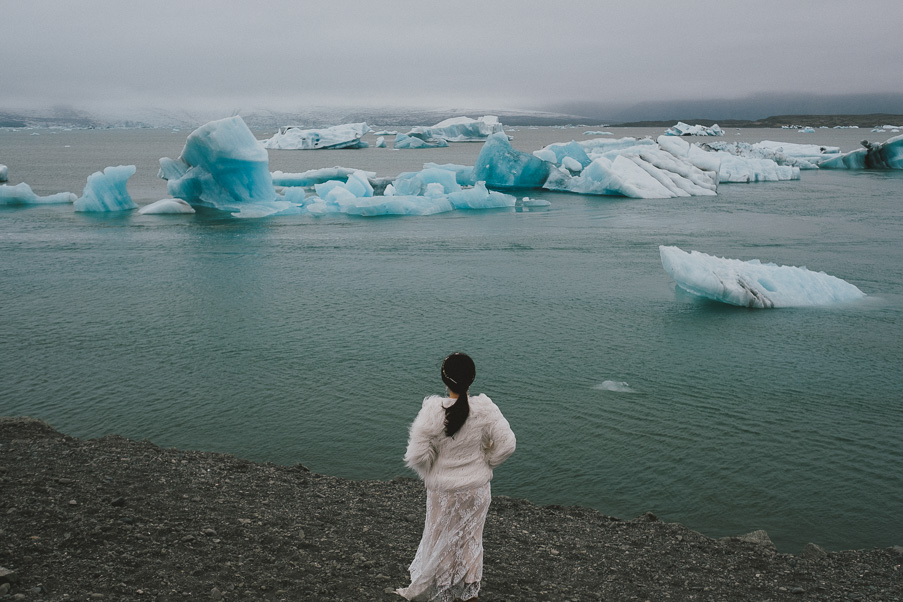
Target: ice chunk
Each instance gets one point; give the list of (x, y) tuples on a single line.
[(316, 176), (356, 186), (463, 173), (685, 129), (460, 129), (806, 130), (804, 156), (22, 194), (4, 173), (415, 183), (479, 197), (730, 168), (166, 206), (752, 283), (499, 165), (224, 167), (596, 133), (558, 153), (881, 155), (338, 136), (403, 141), (381, 142), (107, 190), (615, 386)]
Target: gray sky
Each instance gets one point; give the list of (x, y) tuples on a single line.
[(283, 55)]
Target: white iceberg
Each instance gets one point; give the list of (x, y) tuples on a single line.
[(22, 194), (315, 176), (804, 156), (730, 168), (460, 129), (107, 191), (338, 136), (4, 173), (499, 165), (403, 141), (752, 283), (685, 129), (881, 155), (167, 206), (224, 167)]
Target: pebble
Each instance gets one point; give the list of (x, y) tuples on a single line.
[(210, 532), (118, 502), (4, 589), (215, 594)]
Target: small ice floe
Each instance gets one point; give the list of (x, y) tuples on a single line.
[(166, 206), (616, 386), (753, 283)]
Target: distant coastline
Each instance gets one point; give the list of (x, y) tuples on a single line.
[(398, 117)]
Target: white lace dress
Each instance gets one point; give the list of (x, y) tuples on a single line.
[(449, 561)]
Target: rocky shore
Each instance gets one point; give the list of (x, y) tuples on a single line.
[(115, 519)]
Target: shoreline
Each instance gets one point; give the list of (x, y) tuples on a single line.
[(112, 518)]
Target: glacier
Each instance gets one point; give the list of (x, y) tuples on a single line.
[(107, 191), (685, 129), (22, 194), (753, 283), (223, 166), (880, 155), (460, 129), (165, 206), (347, 135)]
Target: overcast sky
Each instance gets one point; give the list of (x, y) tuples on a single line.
[(283, 54)]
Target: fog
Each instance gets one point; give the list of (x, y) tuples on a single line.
[(516, 54)]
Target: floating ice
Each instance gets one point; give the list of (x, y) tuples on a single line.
[(806, 130), (224, 167), (558, 153), (381, 142), (881, 155), (804, 156), (356, 186), (463, 173), (596, 133), (107, 191), (730, 168), (416, 183), (4, 173), (459, 129), (752, 283), (22, 194), (403, 141), (315, 176), (166, 206), (685, 129), (338, 136), (616, 386), (501, 166), (479, 197)]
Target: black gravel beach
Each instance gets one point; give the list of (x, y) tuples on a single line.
[(115, 519)]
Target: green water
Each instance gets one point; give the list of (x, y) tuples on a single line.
[(314, 340)]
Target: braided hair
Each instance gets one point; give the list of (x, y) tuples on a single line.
[(458, 372)]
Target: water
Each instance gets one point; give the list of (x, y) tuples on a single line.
[(298, 339)]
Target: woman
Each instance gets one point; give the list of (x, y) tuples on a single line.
[(454, 444)]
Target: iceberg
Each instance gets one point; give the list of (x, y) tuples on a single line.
[(685, 129), (460, 129), (418, 182), (499, 165), (4, 173), (560, 153), (22, 194), (463, 173), (752, 283), (315, 176), (107, 191), (804, 156), (381, 142), (403, 141), (881, 155), (338, 136), (223, 166), (166, 206), (730, 168)]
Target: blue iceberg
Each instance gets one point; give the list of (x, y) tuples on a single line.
[(752, 283), (223, 166), (338, 136), (4, 173), (460, 129), (416, 183), (565, 155), (499, 165), (22, 194), (167, 206), (107, 191), (463, 173), (881, 155)]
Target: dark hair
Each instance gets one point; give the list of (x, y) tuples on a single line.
[(458, 372)]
